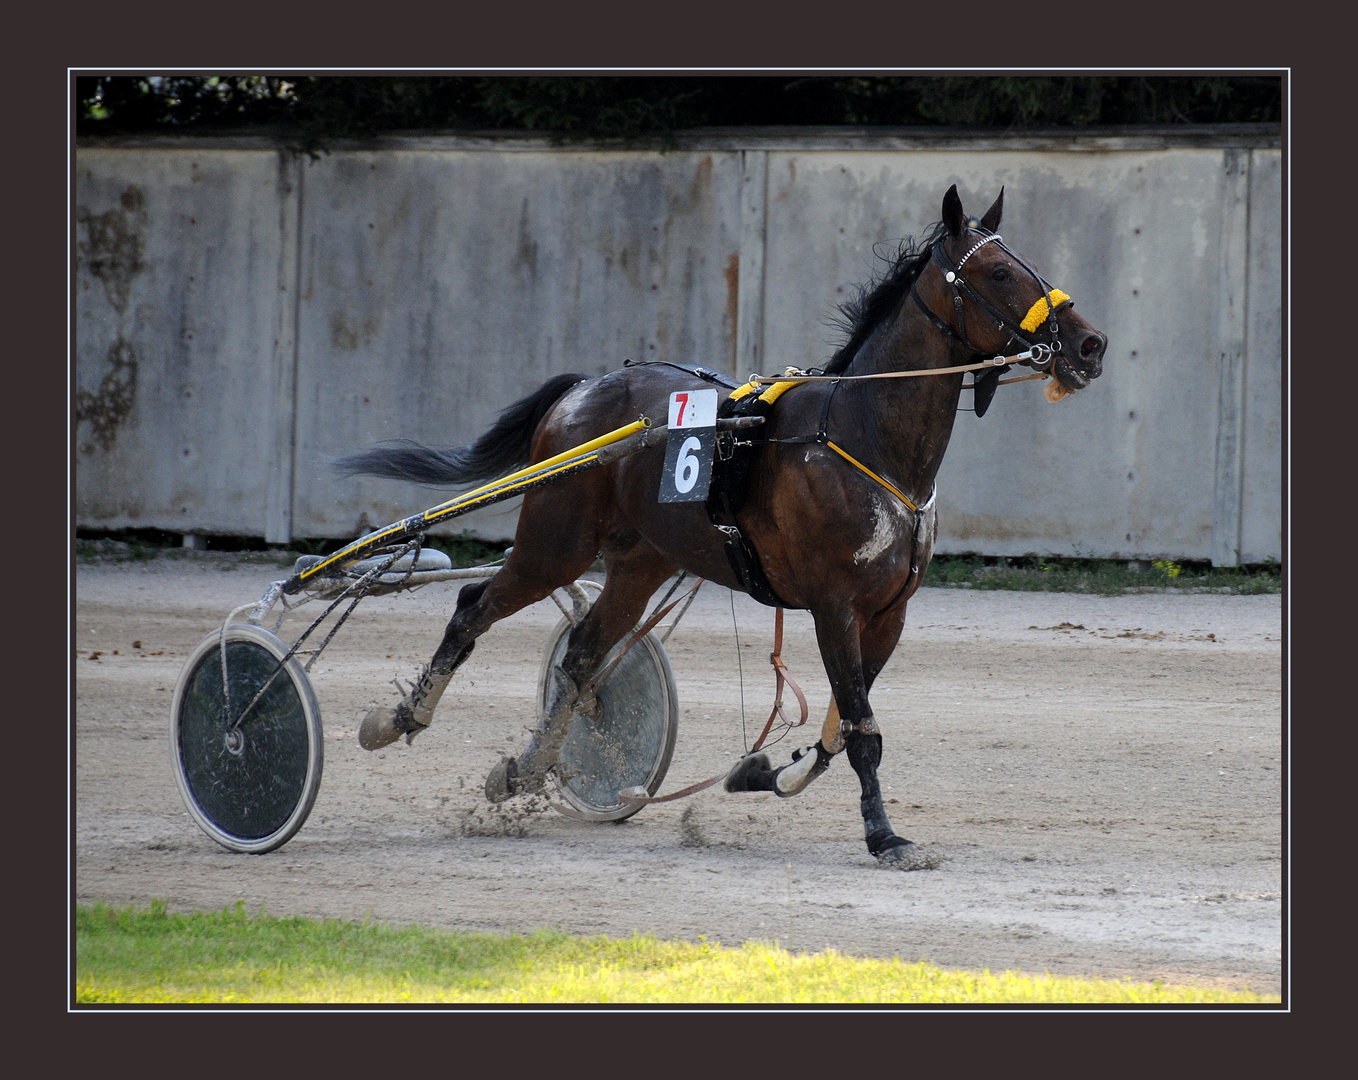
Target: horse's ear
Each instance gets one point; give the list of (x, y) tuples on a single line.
[(954, 217), (991, 221)]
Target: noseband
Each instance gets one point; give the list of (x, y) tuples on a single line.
[(1051, 301)]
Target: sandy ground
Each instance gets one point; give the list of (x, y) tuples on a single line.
[(1100, 776)]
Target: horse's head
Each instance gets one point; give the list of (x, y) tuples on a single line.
[(999, 302)]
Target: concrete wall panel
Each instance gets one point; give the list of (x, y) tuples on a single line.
[(177, 258), (1261, 523)]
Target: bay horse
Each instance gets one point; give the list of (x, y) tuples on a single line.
[(843, 522)]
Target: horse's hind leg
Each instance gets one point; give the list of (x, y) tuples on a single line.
[(522, 581), (634, 571)]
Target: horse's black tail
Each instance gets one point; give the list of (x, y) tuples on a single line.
[(502, 449)]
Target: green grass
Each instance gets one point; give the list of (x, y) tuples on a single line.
[(1104, 577), (152, 955)]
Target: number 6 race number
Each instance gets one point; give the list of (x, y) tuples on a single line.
[(686, 466), (692, 440)]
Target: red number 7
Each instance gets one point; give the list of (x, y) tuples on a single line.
[(683, 403)]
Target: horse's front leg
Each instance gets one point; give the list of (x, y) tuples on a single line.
[(854, 653), (863, 744), (848, 682)]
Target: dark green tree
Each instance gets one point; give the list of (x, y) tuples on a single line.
[(316, 110)]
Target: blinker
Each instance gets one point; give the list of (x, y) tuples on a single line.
[(984, 385)]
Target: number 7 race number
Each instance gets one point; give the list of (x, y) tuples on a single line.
[(692, 440)]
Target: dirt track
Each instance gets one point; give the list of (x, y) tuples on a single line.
[(1101, 777)]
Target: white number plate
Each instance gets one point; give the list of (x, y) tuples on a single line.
[(692, 442)]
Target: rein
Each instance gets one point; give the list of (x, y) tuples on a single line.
[(1039, 354)]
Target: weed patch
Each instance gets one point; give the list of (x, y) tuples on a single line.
[(144, 545)]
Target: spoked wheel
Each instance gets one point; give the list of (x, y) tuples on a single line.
[(631, 743), (249, 787)]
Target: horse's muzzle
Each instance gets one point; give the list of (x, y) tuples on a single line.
[(1077, 368)]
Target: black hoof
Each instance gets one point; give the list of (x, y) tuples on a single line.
[(502, 781), (751, 773)]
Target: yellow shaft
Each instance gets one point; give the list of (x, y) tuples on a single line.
[(468, 499), (565, 455)]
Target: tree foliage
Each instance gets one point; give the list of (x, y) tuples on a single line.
[(316, 110)]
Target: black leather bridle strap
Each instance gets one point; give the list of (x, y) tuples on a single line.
[(952, 275), (948, 330)]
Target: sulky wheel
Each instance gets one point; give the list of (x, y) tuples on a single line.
[(249, 789), (631, 743)]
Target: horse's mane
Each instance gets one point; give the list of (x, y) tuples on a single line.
[(860, 315)]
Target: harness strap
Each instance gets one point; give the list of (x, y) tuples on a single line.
[(889, 486), (822, 434), (781, 676), (706, 374), (1045, 308), (598, 678)]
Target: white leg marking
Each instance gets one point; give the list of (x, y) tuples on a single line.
[(797, 775)]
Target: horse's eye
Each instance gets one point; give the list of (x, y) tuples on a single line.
[(1000, 273)]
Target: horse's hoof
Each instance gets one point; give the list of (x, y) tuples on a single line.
[(378, 729), (751, 773), (501, 781), (908, 856)]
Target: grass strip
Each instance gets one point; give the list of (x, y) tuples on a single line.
[(128, 955), (1101, 577)]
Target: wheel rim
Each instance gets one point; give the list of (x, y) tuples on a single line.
[(249, 788), (632, 742)]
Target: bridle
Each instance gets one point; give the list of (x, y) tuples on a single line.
[(1046, 307), (1038, 354)]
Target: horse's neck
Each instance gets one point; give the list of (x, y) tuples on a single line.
[(905, 424)]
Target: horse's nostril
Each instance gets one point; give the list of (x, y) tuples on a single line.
[(1093, 346)]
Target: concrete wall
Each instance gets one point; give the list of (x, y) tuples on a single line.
[(243, 316), (183, 376)]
